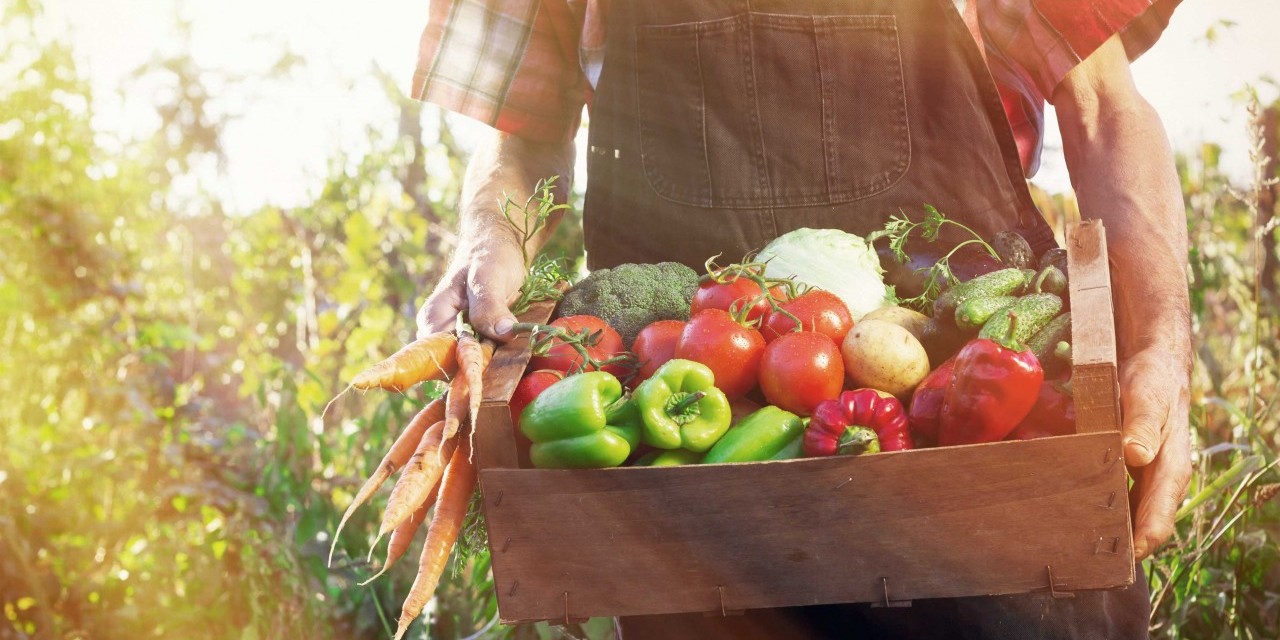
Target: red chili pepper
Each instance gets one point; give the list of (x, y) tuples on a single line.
[(1054, 413), (992, 389), (834, 427), (926, 404)]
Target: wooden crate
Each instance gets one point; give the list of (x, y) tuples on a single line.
[(1009, 517)]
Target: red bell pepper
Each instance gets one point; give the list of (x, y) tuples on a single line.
[(993, 387), (834, 427), (926, 404), (1054, 413)]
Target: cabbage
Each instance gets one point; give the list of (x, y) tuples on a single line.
[(831, 259)]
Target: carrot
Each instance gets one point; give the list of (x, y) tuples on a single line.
[(426, 358), (400, 539), (465, 390), (400, 452), (456, 488), (419, 476)]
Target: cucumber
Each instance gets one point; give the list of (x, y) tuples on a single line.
[(974, 312), (997, 283), (1034, 311), (1046, 340)]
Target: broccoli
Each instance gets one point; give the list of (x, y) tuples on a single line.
[(630, 296)]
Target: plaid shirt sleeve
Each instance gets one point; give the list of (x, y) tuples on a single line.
[(511, 64), (1042, 40)]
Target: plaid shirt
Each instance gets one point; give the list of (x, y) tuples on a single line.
[(526, 67)]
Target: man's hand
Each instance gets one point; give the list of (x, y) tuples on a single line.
[(1157, 443), (485, 274), (1123, 172), (483, 281)]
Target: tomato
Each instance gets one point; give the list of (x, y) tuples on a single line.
[(532, 384), (715, 295), (654, 346), (730, 350), (801, 369), (817, 310), (563, 357)]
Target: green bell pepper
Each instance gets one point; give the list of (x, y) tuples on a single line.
[(581, 422), (669, 458), (768, 434), (682, 408)]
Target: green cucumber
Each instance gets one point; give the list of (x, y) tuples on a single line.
[(997, 283), (1044, 340), (1034, 311), (974, 312)]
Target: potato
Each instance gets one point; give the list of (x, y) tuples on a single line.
[(908, 319), (882, 355)]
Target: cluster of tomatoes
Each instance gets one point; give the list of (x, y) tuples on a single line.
[(752, 334)]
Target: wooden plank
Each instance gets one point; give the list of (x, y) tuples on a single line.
[(495, 436), (957, 521), (510, 359), (1093, 330)]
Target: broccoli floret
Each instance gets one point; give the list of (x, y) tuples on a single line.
[(631, 296)]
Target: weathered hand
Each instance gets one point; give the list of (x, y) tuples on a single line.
[(482, 280), (1154, 393)]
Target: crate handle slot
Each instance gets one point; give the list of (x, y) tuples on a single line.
[(1100, 547)]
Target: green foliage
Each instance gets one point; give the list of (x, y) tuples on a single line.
[(1220, 578), (162, 468)]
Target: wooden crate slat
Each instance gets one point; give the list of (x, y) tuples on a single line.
[(495, 435), (934, 522), (510, 359), (1093, 333)]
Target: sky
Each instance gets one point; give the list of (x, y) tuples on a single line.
[(283, 134)]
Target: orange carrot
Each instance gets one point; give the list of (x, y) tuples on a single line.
[(402, 537), (419, 476), (400, 452), (456, 488), (428, 358), (466, 390)]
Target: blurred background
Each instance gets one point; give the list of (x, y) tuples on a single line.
[(213, 214)]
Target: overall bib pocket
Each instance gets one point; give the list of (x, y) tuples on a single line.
[(762, 110)]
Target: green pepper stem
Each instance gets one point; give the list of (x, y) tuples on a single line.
[(688, 401)]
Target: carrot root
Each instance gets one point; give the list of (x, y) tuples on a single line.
[(456, 488), (429, 358), (396, 457), (402, 537), (329, 404), (420, 475)]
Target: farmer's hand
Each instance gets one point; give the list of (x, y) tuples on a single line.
[(1154, 396), (1123, 171), (482, 279), (485, 274)]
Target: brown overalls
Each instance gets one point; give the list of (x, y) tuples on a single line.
[(718, 125)]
